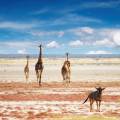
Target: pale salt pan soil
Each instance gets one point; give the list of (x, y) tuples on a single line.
[(81, 70)]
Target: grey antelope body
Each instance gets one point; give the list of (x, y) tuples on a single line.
[(39, 66), (26, 69), (66, 70), (95, 96)]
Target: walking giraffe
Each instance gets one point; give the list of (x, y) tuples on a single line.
[(39, 66), (26, 69), (66, 70)]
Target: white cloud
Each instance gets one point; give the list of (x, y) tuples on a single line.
[(105, 42), (116, 38), (75, 43), (19, 44), (87, 30), (100, 4), (99, 52), (82, 31), (60, 34), (52, 44), (22, 51), (75, 19), (41, 11), (37, 33), (16, 25), (97, 37), (111, 37), (44, 33)]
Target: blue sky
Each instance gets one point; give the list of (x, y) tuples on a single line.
[(74, 26)]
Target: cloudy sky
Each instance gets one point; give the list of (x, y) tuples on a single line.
[(74, 26)]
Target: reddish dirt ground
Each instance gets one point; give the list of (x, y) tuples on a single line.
[(65, 95), (19, 92)]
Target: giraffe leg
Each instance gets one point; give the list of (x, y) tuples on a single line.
[(40, 81), (26, 76), (68, 78), (40, 74), (63, 75), (37, 75), (65, 79)]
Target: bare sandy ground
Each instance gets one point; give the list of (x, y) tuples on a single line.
[(25, 100), (20, 101), (83, 70)]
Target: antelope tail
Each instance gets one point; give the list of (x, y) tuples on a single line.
[(86, 100)]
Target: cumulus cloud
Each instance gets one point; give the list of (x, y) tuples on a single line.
[(52, 44), (22, 51), (111, 37), (104, 42), (99, 52), (97, 37), (75, 43), (116, 38), (82, 30)]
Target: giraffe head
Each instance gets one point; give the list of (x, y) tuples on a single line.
[(40, 54), (27, 56), (67, 55), (27, 59), (40, 46)]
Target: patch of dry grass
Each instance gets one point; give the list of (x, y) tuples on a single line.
[(78, 117)]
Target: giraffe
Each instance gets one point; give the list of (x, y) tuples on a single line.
[(26, 69), (39, 66), (66, 70)]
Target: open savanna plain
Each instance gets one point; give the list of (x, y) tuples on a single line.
[(25, 100)]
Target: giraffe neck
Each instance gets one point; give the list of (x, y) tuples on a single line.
[(40, 55), (27, 62), (67, 56)]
